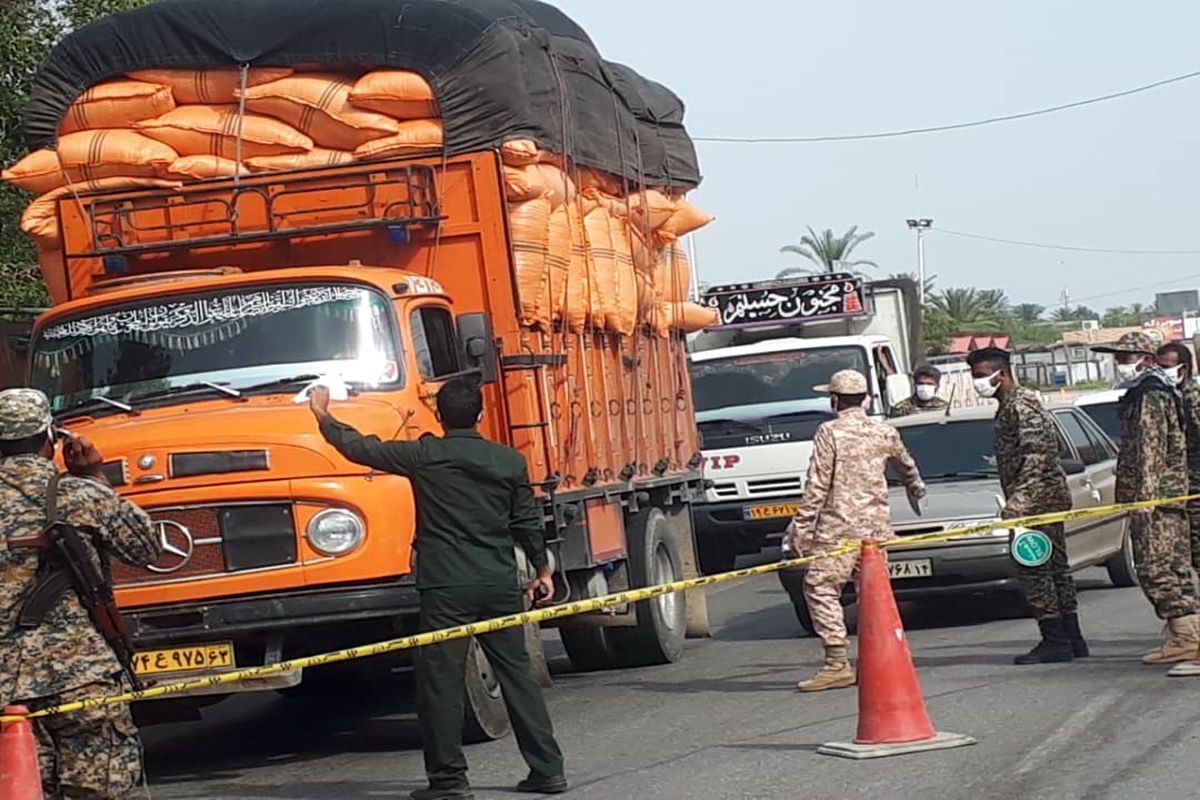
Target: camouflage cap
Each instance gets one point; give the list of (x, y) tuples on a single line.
[(847, 381), (23, 413), (1132, 342)]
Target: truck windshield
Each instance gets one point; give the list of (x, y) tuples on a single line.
[(249, 339), (951, 451), (771, 381)]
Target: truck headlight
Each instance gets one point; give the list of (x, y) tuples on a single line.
[(335, 531)]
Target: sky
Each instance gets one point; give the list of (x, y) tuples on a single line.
[(1124, 174)]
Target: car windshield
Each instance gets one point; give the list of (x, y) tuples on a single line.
[(254, 338), (772, 380), (952, 450), (1105, 415)]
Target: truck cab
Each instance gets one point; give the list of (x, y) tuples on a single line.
[(757, 402)]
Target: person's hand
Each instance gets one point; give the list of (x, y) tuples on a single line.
[(541, 590), (917, 492), (318, 400), (82, 458)]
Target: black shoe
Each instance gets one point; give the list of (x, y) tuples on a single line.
[(1079, 647), (460, 793), (1054, 647), (540, 784)]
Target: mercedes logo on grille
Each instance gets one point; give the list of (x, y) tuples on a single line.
[(177, 546)]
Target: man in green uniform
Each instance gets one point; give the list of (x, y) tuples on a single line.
[(926, 380), (1176, 361), (1027, 458), (474, 501), (1152, 465)]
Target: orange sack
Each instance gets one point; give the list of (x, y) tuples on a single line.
[(673, 281), (578, 310), (213, 130), (689, 317), (40, 219), (558, 264), (213, 86), (317, 157), (201, 167), (602, 289), (627, 313), (529, 229), (37, 172), (397, 93), (415, 136), (687, 218), (115, 104), (111, 153), (538, 180), (318, 104), (649, 209), (519, 152)]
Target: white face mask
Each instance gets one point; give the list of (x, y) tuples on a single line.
[(1172, 373), (1127, 372), (925, 392), (984, 386)]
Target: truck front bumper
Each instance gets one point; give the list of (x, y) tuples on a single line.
[(727, 521)]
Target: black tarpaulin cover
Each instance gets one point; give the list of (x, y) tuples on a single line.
[(501, 69)]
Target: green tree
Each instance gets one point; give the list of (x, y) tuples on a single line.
[(828, 252), (1028, 313), (28, 30), (971, 310)]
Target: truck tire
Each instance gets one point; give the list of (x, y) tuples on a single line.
[(485, 717), (1120, 566), (716, 554), (804, 617), (661, 621), (588, 648)]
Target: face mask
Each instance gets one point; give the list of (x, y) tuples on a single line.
[(1172, 373), (925, 392), (1127, 372), (984, 386)]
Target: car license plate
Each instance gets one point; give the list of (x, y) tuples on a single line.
[(916, 568), (184, 659), (770, 511)]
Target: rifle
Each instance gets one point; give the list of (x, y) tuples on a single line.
[(69, 565)]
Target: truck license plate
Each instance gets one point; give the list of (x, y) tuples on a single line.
[(917, 568), (770, 511), (184, 659)]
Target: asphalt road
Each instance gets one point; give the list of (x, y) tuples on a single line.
[(725, 723)]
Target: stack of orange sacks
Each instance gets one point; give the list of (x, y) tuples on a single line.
[(588, 254)]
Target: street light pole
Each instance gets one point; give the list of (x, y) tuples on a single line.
[(920, 226)]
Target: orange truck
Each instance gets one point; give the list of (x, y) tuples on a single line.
[(189, 319)]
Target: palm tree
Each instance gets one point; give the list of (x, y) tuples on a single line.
[(1028, 313), (828, 252), (970, 309), (930, 281)]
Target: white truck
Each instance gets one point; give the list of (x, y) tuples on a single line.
[(753, 379)]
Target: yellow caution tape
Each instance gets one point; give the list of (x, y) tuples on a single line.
[(580, 607)]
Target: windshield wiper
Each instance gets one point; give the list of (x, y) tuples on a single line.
[(188, 388), (99, 400), (282, 383), (969, 473), (807, 413)]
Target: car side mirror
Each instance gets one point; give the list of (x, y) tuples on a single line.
[(1073, 466), (898, 388), (478, 345)]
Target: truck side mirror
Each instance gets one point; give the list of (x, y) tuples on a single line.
[(478, 345), (898, 388), (1073, 466)]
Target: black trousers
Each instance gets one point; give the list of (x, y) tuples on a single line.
[(441, 676)]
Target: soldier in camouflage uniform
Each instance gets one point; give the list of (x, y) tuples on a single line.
[(1152, 465), (926, 380), (845, 497), (1032, 478), (93, 754), (1176, 360)]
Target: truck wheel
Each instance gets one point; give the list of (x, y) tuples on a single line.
[(661, 621), (484, 716), (804, 617), (588, 648), (716, 554), (1121, 568)]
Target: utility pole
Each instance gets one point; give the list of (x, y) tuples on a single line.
[(920, 226)]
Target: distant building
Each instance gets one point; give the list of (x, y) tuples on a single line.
[(961, 345)]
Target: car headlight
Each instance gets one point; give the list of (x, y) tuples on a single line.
[(335, 531)]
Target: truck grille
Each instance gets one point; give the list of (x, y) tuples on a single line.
[(203, 541), (732, 490)]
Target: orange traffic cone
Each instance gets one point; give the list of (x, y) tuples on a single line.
[(892, 719), (20, 778)]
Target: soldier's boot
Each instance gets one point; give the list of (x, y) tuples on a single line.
[(835, 673), (1181, 643), (1079, 647), (1054, 647)]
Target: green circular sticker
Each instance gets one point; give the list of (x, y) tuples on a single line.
[(1031, 548)]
